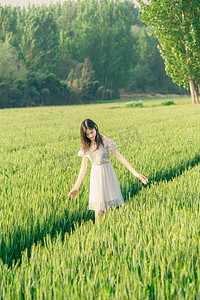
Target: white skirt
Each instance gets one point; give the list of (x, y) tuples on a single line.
[(104, 188)]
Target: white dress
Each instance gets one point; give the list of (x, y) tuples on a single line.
[(104, 186)]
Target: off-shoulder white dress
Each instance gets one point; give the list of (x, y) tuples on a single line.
[(104, 186)]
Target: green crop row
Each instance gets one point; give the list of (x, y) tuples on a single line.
[(148, 249)]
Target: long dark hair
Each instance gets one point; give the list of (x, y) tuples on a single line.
[(85, 141)]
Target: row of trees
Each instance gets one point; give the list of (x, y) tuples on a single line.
[(80, 50)]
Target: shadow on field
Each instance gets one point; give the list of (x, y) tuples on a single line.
[(12, 253)]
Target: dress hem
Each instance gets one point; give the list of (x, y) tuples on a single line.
[(108, 207)]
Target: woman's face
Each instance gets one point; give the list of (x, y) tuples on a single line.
[(91, 134)]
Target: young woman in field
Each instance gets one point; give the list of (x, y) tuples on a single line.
[(104, 186)]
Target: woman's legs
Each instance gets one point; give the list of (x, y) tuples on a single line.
[(98, 214)]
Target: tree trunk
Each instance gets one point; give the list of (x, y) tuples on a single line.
[(192, 90), (196, 94)]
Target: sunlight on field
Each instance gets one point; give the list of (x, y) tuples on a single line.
[(146, 249)]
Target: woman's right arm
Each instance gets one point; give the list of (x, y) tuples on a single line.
[(81, 175)]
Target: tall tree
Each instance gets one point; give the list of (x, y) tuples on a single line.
[(9, 25), (40, 41), (176, 25), (10, 67), (148, 71), (102, 32), (12, 72), (65, 26)]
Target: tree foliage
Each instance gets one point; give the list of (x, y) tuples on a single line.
[(80, 51), (176, 25), (101, 31), (148, 72), (10, 67), (39, 44)]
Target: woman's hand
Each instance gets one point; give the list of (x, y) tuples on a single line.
[(142, 178), (73, 193)]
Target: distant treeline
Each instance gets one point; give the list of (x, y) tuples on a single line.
[(78, 51)]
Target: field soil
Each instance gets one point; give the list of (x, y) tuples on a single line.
[(129, 95)]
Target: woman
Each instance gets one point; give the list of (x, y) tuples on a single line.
[(105, 191)]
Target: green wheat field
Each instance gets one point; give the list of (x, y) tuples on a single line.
[(50, 247)]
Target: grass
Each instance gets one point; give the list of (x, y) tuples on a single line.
[(149, 101), (49, 244)]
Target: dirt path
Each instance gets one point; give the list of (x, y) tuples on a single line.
[(126, 95)]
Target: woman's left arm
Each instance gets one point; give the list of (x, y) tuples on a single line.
[(125, 162)]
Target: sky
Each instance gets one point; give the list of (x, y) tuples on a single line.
[(36, 2)]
